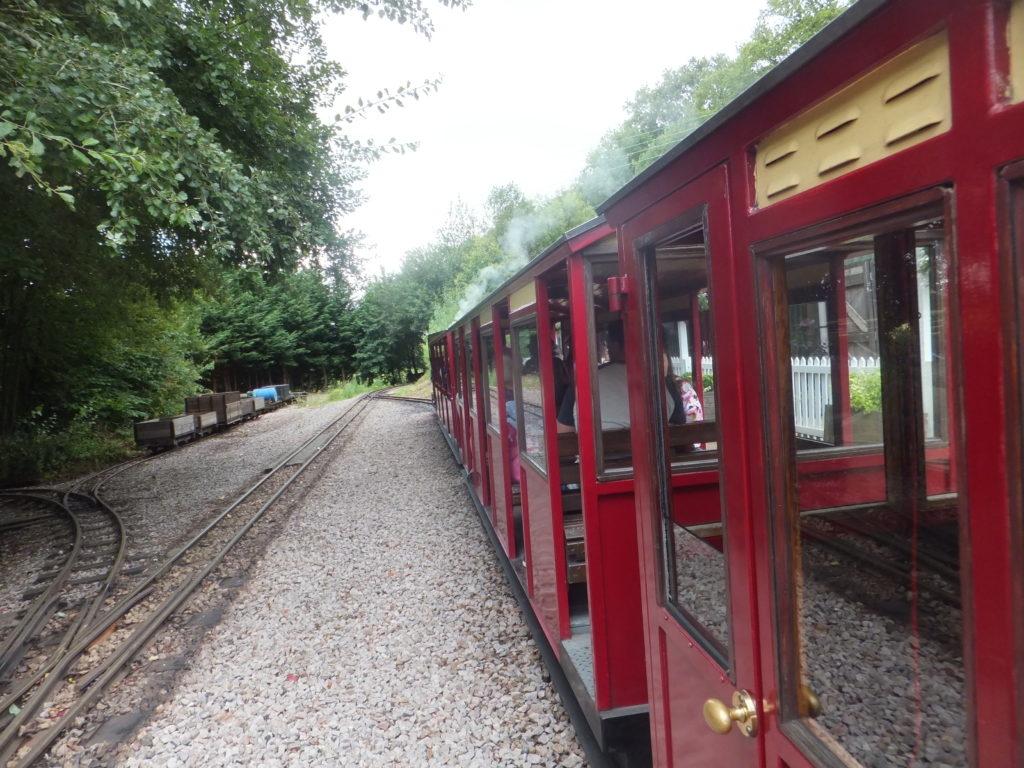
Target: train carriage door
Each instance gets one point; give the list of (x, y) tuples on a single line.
[(455, 384), (465, 352), (692, 500), (536, 529), (864, 506), (476, 464), (488, 411)]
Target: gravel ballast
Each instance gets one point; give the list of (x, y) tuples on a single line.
[(376, 631)]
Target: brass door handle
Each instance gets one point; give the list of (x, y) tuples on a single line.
[(743, 712), (810, 703)]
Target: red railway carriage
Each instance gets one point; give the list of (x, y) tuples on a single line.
[(569, 540), (753, 443)]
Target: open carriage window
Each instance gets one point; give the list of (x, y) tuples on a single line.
[(470, 381), (872, 512), (530, 399), (610, 390), (490, 377), (693, 540)]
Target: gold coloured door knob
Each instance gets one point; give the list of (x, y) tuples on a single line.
[(810, 704), (720, 717)]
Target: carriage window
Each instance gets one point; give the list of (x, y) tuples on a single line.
[(530, 403), (456, 355), (879, 672), (490, 382), (693, 536), (470, 389), (608, 375)]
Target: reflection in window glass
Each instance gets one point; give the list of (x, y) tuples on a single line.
[(490, 376), (933, 325), (878, 584), (469, 371), (531, 405), (696, 583)]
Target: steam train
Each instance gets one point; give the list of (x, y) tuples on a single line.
[(821, 565)]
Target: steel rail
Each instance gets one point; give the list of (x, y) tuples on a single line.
[(100, 677), (85, 617), (185, 548), (26, 522), (15, 694), (40, 611), (142, 590), (417, 400), (924, 558), (898, 573), (120, 466), (183, 592)]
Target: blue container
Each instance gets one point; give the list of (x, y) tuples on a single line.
[(268, 393)]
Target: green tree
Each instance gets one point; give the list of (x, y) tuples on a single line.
[(391, 319), (662, 115), (294, 330), (145, 144)]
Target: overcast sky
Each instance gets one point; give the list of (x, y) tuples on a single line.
[(530, 86)]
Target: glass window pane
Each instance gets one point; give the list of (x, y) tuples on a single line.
[(876, 514), (531, 405), (608, 375), (695, 564), (490, 377), (469, 371)]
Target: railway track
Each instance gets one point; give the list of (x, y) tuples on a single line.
[(383, 395), (94, 608), (887, 556)]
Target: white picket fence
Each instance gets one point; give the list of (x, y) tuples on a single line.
[(683, 366), (812, 390)]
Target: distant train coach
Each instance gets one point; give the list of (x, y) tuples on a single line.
[(749, 443)]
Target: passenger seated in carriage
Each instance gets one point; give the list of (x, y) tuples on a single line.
[(613, 389)]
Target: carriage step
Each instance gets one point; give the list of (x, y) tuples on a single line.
[(575, 549), (576, 573)]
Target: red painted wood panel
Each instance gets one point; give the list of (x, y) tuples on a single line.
[(540, 552), (613, 570)]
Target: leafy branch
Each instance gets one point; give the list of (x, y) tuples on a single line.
[(385, 100)]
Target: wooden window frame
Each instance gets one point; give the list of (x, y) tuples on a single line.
[(767, 262)]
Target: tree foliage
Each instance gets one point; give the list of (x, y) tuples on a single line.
[(189, 128), (297, 329), (662, 115), (145, 146)]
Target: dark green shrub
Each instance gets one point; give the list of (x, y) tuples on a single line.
[(866, 391)]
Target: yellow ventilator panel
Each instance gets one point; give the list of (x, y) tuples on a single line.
[(1015, 39), (902, 103), (524, 297)]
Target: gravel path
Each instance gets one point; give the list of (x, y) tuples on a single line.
[(391, 639)]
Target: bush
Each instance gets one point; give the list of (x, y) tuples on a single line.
[(709, 382), (40, 449), (866, 391), (351, 388)]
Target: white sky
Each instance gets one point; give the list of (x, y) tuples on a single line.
[(530, 86)]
